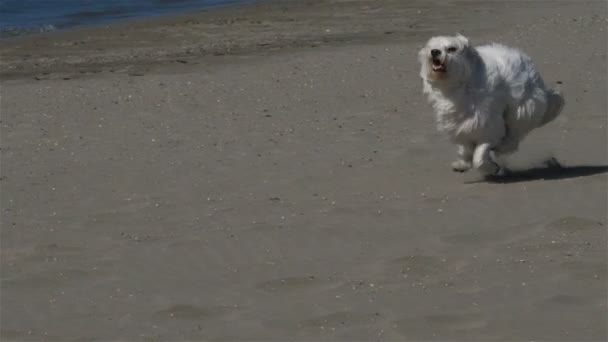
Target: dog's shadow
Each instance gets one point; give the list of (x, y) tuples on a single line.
[(548, 173), (552, 170)]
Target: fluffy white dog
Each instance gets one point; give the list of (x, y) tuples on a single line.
[(486, 99)]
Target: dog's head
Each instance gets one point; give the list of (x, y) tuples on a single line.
[(445, 59)]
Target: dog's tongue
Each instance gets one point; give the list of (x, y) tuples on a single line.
[(438, 67)]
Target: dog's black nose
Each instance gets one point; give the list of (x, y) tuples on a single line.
[(435, 52)]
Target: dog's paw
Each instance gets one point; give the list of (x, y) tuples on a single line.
[(490, 168), (502, 172), (461, 166)]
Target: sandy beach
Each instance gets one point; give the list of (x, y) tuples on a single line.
[(272, 172)]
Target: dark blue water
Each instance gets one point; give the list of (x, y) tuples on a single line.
[(26, 16)]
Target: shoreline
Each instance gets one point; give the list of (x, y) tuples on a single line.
[(248, 29), (67, 21)]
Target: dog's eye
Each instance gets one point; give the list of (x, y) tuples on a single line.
[(452, 49)]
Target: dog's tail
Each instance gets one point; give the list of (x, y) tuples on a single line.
[(555, 104)]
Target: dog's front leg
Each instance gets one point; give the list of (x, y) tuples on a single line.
[(465, 158), (482, 160)]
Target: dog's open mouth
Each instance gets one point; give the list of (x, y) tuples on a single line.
[(438, 66)]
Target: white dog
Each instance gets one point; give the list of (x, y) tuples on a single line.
[(486, 99)]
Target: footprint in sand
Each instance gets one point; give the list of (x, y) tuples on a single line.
[(585, 269), (441, 324), (185, 311), (419, 265), (48, 280), (61, 269), (424, 266), (291, 284), (341, 319), (502, 236), (54, 252), (561, 301), (565, 237), (573, 224)]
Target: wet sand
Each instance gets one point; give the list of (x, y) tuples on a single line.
[(272, 172)]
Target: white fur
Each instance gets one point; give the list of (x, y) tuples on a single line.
[(486, 100)]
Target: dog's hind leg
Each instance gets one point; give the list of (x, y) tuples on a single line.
[(509, 143), (519, 121), (534, 112)]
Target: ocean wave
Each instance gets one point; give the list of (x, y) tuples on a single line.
[(20, 17), (14, 31)]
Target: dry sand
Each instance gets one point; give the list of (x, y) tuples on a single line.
[(272, 172)]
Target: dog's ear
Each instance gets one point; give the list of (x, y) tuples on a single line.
[(464, 40)]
